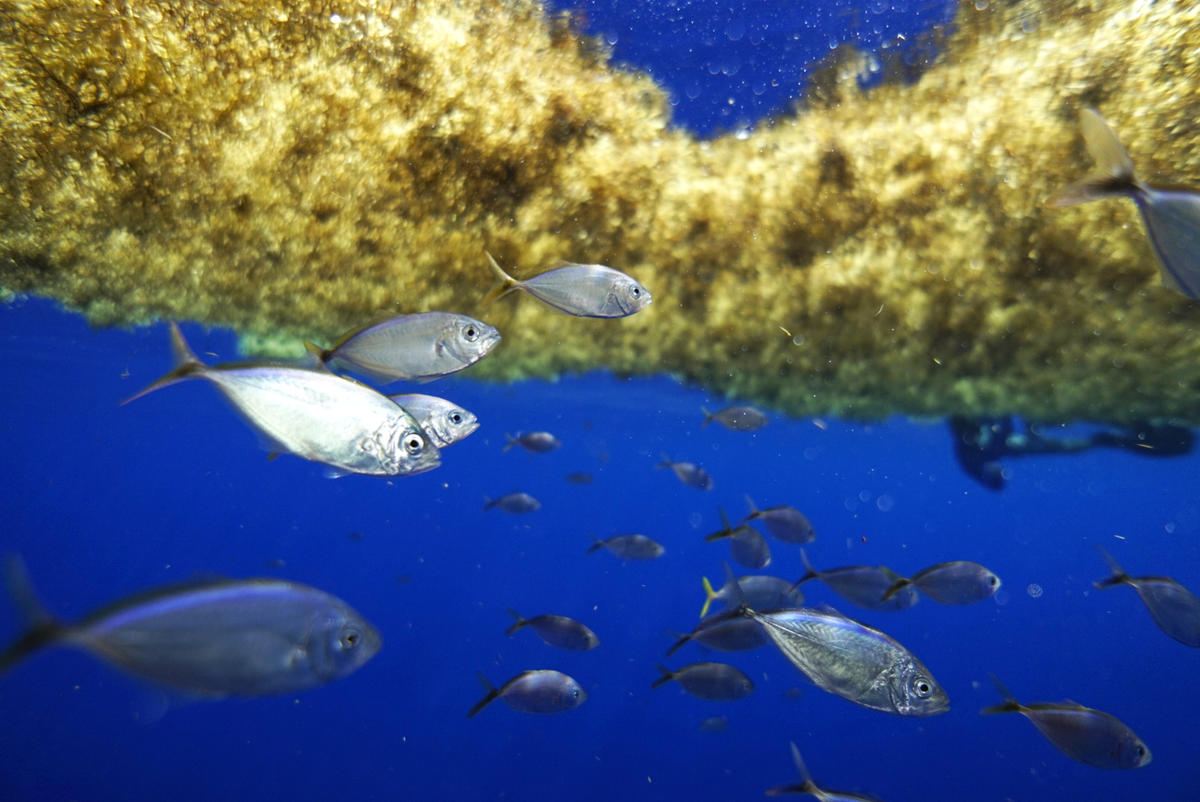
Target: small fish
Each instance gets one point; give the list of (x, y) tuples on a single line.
[(419, 347), (538, 691), (557, 630), (713, 724), (746, 546), (443, 422), (959, 582), (689, 473), (863, 585), (716, 682), (760, 592), (537, 442), (514, 503), (1172, 606), (736, 418), (807, 786), (313, 414), (783, 523), (629, 547), (1171, 216), (579, 478), (579, 290), (726, 631), (1080, 733), (217, 638)]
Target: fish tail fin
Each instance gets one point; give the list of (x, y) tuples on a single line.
[(681, 639), (43, 628), (186, 365), (489, 502), (520, 622), (507, 282), (806, 784), (735, 589), (1119, 577), (1114, 175), (320, 354), (1009, 705), (809, 571), (707, 417), (509, 441), (753, 509), (710, 596), (490, 694), (900, 585), (597, 544), (666, 676)]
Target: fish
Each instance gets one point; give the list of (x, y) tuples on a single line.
[(579, 478), (419, 347), (537, 442), (443, 422), (726, 631), (746, 545), (576, 289), (713, 724), (760, 592), (1171, 216), (1173, 607), (629, 547), (807, 786), (736, 418), (959, 582), (535, 691), (557, 630), (863, 585), (716, 682), (1081, 733), (689, 473), (514, 503), (215, 638), (782, 523), (313, 414)]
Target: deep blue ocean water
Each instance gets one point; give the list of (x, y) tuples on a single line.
[(104, 500)]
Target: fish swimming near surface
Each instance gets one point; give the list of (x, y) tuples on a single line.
[(513, 503), (736, 418), (807, 786), (760, 592), (746, 545), (1080, 733), (216, 638), (716, 682), (629, 547), (443, 422), (863, 585), (557, 630), (419, 347), (958, 582), (537, 442), (1171, 216), (536, 691), (782, 523), (313, 414), (579, 290), (689, 473), (1173, 607)]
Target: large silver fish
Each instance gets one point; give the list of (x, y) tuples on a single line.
[(580, 290), (419, 347), (1171, 216), (246, 637), (442, 421), (313, 414)]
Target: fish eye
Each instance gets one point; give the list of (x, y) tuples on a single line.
[(471, 333), (1141, 751), (350, 638), (922, 688), (636, 292), (455, 418), (993, 581), (413, 444)]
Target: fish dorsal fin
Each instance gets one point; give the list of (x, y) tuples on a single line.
[(1112, 160), (739, 598)]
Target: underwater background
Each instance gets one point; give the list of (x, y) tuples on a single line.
[(103, 501)]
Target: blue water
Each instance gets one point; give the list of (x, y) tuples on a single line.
[(105, 500)]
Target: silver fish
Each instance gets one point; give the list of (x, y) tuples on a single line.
[(539, 691), (782, 523), (313, 414), (958, 582), (689, 473), (736, 418), (760, 592), (746, 546), (630, 547), (557, 630), (579, 478), (537, 442), (716, 682), (807, 786), (580, 290), (514, 503), (863, 585), (726, 631), (1173, 607), (443, 422), (419, 347), (246, 637), (1081, 733), (1171, 216)]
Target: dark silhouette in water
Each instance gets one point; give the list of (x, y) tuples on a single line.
[(980, 443)]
